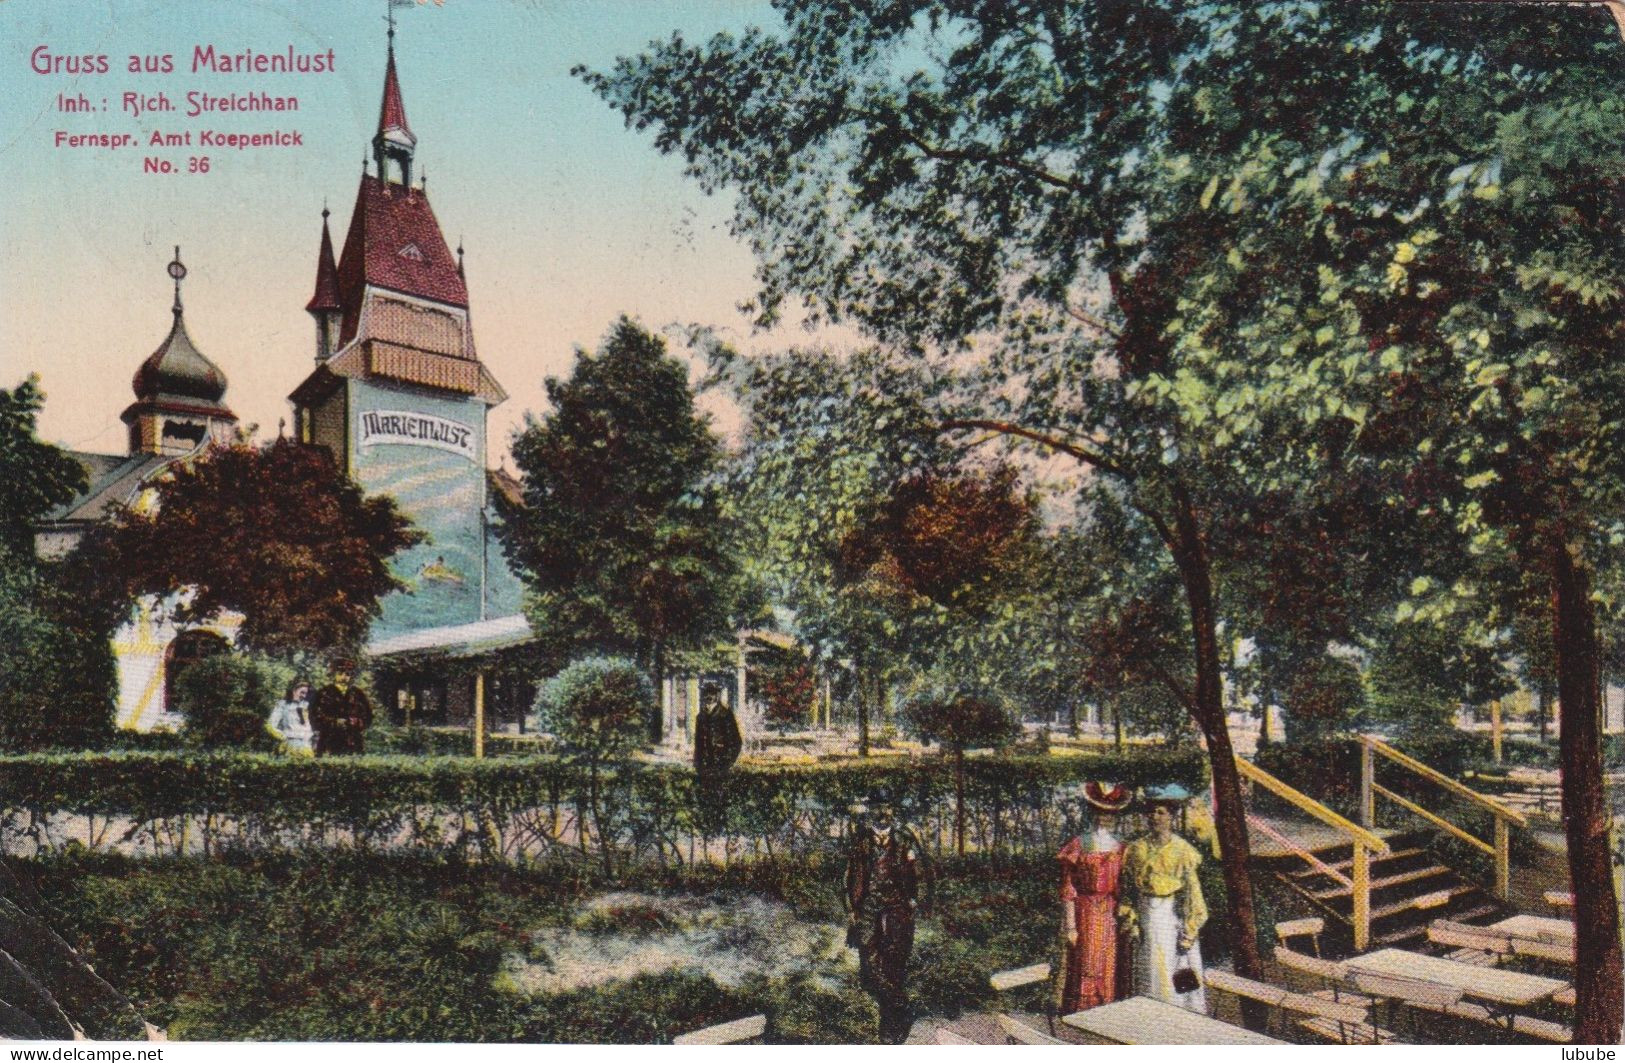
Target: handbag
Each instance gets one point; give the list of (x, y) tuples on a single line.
[(1185, 977)]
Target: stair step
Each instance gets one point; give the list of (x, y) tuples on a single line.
[(1476, 913), (1408, 903), (1348, 864), (1383, 883)]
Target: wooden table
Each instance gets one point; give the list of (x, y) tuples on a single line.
[(1539, 927), (1494, 985), (1144, 1021)]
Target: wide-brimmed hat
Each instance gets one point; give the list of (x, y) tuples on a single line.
[(1107, 797), (1166, 794)]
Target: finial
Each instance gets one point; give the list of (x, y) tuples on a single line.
[(423, 181), (281, 427), (459, 256), (324, 208), (363, 164), (178, 272), (389, 17)]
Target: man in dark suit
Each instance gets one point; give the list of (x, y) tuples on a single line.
[(340, 713), (717, 743), (884, 870)]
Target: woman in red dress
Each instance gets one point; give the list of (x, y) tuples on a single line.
[(1090, 865)]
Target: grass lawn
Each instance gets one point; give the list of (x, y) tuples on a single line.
[(403, 948)]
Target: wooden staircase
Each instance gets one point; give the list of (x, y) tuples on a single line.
[(1410, 887)]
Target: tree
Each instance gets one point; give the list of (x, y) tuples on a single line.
[(939, 175), (1148, 237), (276, 533), (1429, 243), (596, 708), (621, 539), (35, 477), (961, 720), (786, 685), (57, 675)]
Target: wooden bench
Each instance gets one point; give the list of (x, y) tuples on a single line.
[(1476, 945), (1333, 976), (1309, 927), (726, 1033), (1540, 949), (1020, 976), (1017, 1032), (1340, 1021), (1527, 1025)]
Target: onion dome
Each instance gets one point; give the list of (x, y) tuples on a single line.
[(177, 368)]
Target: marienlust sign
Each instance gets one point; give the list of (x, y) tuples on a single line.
[(416, 430)]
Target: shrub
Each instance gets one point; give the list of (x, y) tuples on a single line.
[(597, 709), (517, 808), (226, 701)]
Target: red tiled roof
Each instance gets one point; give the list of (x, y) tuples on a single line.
[(327, 275), (395, 243), (392, 113)]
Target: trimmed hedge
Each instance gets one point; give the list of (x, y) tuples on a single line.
[(526, 808), (450, 742)]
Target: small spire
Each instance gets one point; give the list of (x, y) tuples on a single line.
[(178, 272), (389, 17), (326, 296), (460, 257)]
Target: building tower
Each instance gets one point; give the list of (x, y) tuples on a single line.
[(178, 392), (398, 393)]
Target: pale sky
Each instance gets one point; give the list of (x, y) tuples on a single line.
[(569, 219)]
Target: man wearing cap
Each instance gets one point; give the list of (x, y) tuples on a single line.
[(1163, 899), (1091, 865), (883, 872), (340, 713)]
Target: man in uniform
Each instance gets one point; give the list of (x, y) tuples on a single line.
[(884, 870), (340, 713)]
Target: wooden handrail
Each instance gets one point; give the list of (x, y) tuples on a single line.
[(1491, 805), (1443, 824), (1304, 803), (1264, 826)]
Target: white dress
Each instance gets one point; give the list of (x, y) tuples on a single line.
[(290, 721)]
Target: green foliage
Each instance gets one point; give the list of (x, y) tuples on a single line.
[(396, 948), (227, 699), (1422, 673), (961, 720), (1326, 694), (620, 539), (450, 742), (490, 809), (596, 708), (35, 477), (292, 545), (57, 679)]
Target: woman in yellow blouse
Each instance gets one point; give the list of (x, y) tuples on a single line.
[(1163, 899)]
